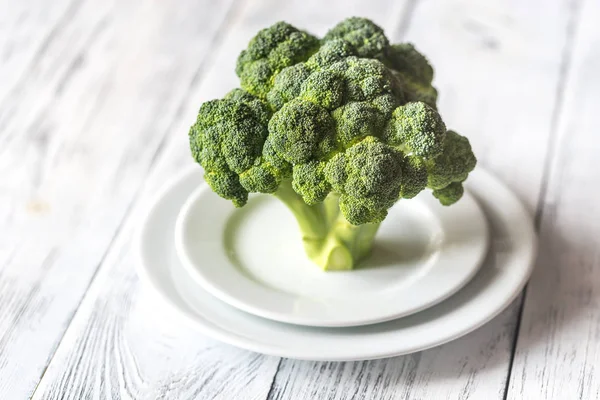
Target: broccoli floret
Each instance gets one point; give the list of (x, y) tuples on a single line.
[(368, 39), (227, 139), (261, 178), (329, 53), (414, 177), (287, 85), (367, 176), (339, 129), (450, 194), (227, 185), (298, 129), (270, 51), (413, 71), (453, 164), (357, 120), (406, 60), (308, 180), (417, 127)]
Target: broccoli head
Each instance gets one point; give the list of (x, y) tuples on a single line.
[(339, 129)]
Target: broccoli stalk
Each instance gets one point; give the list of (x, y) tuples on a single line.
[(338, 128), (330, 241)]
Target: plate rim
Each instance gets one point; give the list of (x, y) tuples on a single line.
[(208, 328)]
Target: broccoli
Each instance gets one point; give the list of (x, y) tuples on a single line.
[(339, 129)]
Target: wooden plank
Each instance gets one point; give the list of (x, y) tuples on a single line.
[(497, 71), (558, 347), (122, 345), (83, 117)]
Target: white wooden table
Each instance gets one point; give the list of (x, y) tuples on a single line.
[(95, 101)]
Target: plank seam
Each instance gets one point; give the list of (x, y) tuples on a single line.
[(551, 154), (404, 23), (272, 388), (565, 69)]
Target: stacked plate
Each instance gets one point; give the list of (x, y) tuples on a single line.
[(241, 276)]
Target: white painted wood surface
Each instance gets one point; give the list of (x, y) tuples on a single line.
[(95, 102), (558, 347)]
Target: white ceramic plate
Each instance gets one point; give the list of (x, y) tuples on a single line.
[(500, 279), (252, 258)]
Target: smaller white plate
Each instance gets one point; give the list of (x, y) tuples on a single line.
[(253, 259)]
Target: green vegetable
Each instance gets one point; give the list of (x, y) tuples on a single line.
[(339, 129)]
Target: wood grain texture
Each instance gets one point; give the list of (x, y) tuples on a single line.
[(468, 368), (498, 70), (558, 348), (27, 31), (129, 347), (83, 114)]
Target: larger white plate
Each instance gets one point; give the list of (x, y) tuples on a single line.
[(500, 279), (252, 258)]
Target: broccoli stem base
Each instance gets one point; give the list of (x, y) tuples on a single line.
[(329, 240)]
